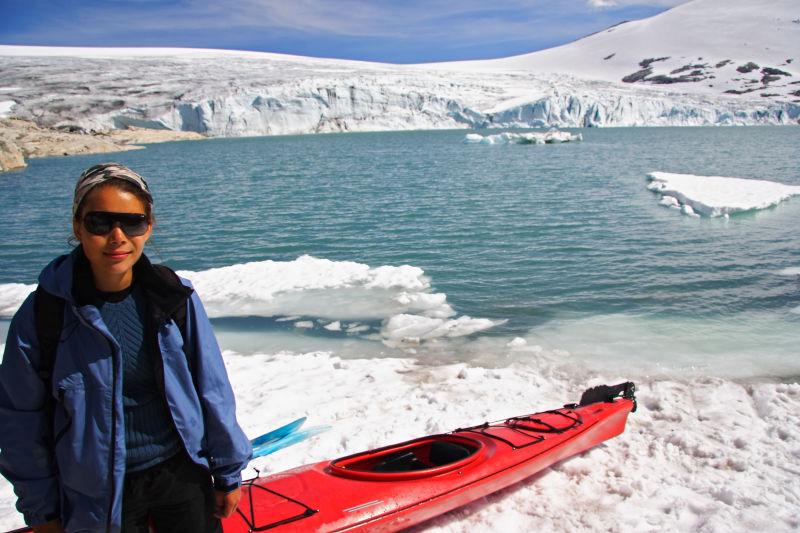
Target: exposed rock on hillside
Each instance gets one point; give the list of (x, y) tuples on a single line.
[(11, 157), (20, 139)]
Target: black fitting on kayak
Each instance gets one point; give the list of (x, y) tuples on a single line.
[(607, 393)]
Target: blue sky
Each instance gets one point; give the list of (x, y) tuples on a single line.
[(409, 31)]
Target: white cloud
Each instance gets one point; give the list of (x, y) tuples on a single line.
[(600, 4)]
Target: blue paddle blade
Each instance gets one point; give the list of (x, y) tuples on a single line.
[(278, 433), (288, 440)]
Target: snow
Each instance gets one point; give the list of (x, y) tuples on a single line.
[(700, 453), (6, 107), (11, 297), (253, 93), (717, 196), (702, 34), (552, 136)]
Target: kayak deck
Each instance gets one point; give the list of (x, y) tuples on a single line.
[(397, 486)]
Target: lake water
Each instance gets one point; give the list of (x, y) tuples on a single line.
[(561, 245)]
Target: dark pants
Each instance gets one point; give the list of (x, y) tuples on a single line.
[(176, 496)]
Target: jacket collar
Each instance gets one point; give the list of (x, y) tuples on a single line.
[(163, 287)]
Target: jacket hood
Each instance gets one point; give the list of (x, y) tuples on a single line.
[(70, 277)]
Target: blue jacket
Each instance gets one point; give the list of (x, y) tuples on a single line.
[(70, 463)]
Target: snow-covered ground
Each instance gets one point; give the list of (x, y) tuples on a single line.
[(705, 62), (717, 196), (700, 454)]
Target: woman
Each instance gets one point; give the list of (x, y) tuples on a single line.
[(131, 421)]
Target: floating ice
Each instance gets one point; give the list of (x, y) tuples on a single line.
[(11, 297), (308, 286), (715, 196), (552, 136), (791, 271), (404, 329), (399, 296)]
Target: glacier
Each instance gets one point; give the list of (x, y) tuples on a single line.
[(254, 96)]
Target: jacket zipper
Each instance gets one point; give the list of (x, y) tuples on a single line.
[(113, 450), (113, 454), (62, 431)]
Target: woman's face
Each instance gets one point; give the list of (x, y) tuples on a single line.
[(112, 255)]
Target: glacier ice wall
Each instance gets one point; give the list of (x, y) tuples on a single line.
[(228, 97)]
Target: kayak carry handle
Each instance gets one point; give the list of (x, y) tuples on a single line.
[(607, 393)]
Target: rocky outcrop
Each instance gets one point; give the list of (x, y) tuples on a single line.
[(20, 139), (747, 67), (11, 157)]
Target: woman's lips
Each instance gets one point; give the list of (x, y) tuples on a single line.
[(117, 256)]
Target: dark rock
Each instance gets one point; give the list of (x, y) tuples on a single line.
[(637, 76), (723, 63), (742, 91), (796, 93), (769, 95), (71, 128), (645, 63), (688, 67), (609, 56), (774, 72), (767, 79), (747, 67), (789, 60)]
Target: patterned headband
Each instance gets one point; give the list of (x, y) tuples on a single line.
[(98, 174)]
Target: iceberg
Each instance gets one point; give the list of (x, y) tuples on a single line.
[(717, 196), (553, 136)]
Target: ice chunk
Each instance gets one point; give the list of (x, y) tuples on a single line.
[(405, 328), (669, 201), (553, 136), (11, 297), (717, 196)]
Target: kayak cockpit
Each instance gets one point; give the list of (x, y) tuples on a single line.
[(419, 458)]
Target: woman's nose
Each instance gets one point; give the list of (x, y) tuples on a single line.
[(117, 235)]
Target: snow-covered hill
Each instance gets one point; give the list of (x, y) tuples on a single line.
[(704, 62), (704, 46)]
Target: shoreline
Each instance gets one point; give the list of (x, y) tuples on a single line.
[(21, 140)]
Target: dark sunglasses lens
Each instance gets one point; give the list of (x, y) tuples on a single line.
[(97, 223), (102, 223), (133, 225)]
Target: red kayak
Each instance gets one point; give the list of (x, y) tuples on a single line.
[(397, 486)]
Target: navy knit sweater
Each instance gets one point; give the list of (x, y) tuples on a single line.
[(150, 436)]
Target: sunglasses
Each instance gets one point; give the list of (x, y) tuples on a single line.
[(102, 222)]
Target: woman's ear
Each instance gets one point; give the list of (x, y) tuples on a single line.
[(76, 229)]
